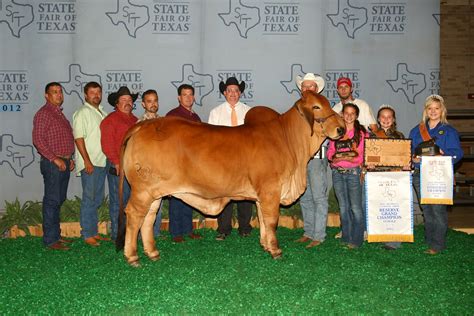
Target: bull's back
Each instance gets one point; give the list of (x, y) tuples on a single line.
[(182, 152)]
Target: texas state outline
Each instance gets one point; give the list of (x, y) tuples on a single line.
[(407, 80), (233, 19), (358, 14), (77, 80), (290, 85), (187, 77), (122, 7), (8, 15), (15, 163)]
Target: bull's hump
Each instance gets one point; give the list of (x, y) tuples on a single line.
[(260, 114)]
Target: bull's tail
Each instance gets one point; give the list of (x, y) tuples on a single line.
[(120, 241)]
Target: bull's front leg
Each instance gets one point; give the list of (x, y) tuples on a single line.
[(148, 238), (268, 214)]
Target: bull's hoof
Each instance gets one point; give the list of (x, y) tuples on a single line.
[(277, 257), (153, 256), (135, 264), (276, 254), (133, 261)]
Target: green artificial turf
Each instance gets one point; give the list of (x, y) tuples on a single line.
[(235, 276)]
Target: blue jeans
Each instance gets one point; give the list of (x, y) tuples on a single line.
[(92, 197), (314, 201), (157, 226), (114, 201), (436, 219), (349, 195), (181, 218), (55, 193)]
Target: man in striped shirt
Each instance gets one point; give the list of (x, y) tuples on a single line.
[(53, 138)]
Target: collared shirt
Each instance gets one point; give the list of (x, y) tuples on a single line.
[(445, 136), (221, 115), (52, 133), (113, 129), (86, 124), (366, 117), (148, 116), (181, 111)]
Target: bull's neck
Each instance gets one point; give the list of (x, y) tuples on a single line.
[(299, 135)]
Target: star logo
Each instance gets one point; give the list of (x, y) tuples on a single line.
[(16, 16), (202, 83), (351, 18), (132, 16), (410, 83), (242, 16), (77, 81)]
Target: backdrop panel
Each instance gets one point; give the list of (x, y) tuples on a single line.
[(390, 51)]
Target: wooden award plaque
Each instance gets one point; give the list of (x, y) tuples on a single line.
[(387, 152)]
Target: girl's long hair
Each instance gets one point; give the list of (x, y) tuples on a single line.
[(358, 128)]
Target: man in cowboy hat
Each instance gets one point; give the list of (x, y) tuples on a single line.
[(113, 129), (311, 82), (232, 113), (314, 201)]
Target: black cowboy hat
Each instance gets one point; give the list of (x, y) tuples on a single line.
[(231, 81), (113, 97)]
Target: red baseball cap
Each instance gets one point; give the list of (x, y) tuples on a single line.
[(344, 80)]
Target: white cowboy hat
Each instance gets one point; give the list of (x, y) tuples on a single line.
[(311, 77)]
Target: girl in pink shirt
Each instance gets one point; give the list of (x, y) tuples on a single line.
[(346, 157)]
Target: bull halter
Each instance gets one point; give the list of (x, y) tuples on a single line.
[(324, 119)]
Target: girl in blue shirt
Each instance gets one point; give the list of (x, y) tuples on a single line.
[(447, 139)]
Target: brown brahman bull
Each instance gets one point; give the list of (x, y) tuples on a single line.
[(206, 166)]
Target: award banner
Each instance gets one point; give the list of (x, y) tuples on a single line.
[(389, 206), (436, 180)]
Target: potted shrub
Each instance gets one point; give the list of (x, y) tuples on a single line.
[(22, 219)]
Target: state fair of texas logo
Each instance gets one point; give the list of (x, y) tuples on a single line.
[(202, 83), (77, 80), (16, 16), (16, 156), (243, 17), (408, 82), (290, 85), (131, 16), (349, 17)]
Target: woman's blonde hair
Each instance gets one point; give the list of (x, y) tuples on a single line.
[(435, 98)]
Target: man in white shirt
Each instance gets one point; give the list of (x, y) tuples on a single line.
[(232, 113), (344, 90), (90, 160), (314, 201)]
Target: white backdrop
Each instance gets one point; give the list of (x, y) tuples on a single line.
[(389, 50)]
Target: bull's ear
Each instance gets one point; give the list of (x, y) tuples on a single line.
[(306, 111)]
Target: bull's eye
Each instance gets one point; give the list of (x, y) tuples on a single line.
[(316, 107)]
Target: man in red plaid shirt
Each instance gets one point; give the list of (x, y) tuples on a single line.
[(53, 138)]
